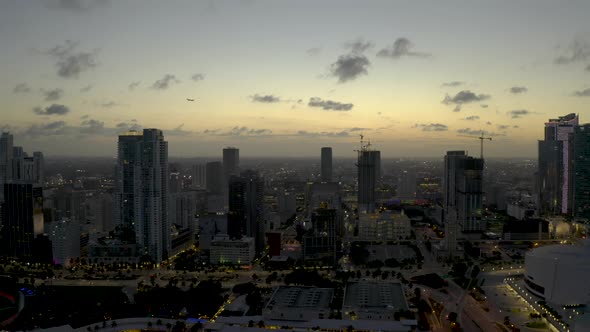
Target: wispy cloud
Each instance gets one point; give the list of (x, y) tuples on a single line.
[(452, 84), (359, 46), (313, 51), (582, 93), (265, 99), (329, 105), (432, 126), (475, 132), (53, 94), (48, 129), (515, 114), (70, 62), (577, 51), (133, 85), (349, 67), (92, 126), (518, 89), (472, 118), (21, 88), (401, 48), (198, 77), (165, 82), (54, 109), (464, 97)]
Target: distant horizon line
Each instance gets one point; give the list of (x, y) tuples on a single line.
[(56, 156)]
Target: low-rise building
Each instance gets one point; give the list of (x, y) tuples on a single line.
[(227, 251), (378, 300), (384, 226), (297, 303)]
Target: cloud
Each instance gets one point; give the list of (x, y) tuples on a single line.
[(53, 95), (484, 105), (313, 51), (133, 85), (432, 126), (71, 63), (54, 109), (245, 131), (126, 126), (457, 108), (472, 118), (502, 127), (329, 105), (165, 82), (52, 128), (21, 88), (474, 132), (582, 93), (109, 104), (178, 131), (91, 126), (265, 99), (343, 133), (518, 89), (401, 48), (349, 67), (464, 97), (588, 68), (357, 129), (86, 88), (79, 5), (358, 46), (452, 84), (577, 51), (515, 114), (198, 77), (488, 123)]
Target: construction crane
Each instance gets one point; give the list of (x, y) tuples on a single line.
[(481, 138)]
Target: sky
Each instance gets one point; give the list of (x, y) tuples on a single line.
[(284, 78)]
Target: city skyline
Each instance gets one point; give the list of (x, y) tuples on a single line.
[(413, 80)]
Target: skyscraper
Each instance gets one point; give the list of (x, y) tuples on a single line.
[(369, 170), (231, 162), (462, 195), (555, 180), (214, 175), (326, 164), (581, 173), (142, 191), (22, 213), (6, 144), (245, 217), (199, 177)]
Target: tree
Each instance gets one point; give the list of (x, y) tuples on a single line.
[(159, 322), (475, 271), (150, 324), (250, 323), (261, 324), (417, 292), (114, 324), (453, 316)]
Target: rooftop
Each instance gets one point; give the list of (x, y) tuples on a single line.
[(375, 295), (298, 297)]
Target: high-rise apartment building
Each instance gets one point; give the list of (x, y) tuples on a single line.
[(555, 177), (369, 172), (141, 203), (245, 217), (326, 167), (581, 173), (462, 195), (231, 162), (214, 174), (198, 177), (22, 213)]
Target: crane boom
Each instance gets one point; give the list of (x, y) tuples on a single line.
[(481, 138)]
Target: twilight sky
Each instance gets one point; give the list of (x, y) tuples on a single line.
[(284, 78)]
